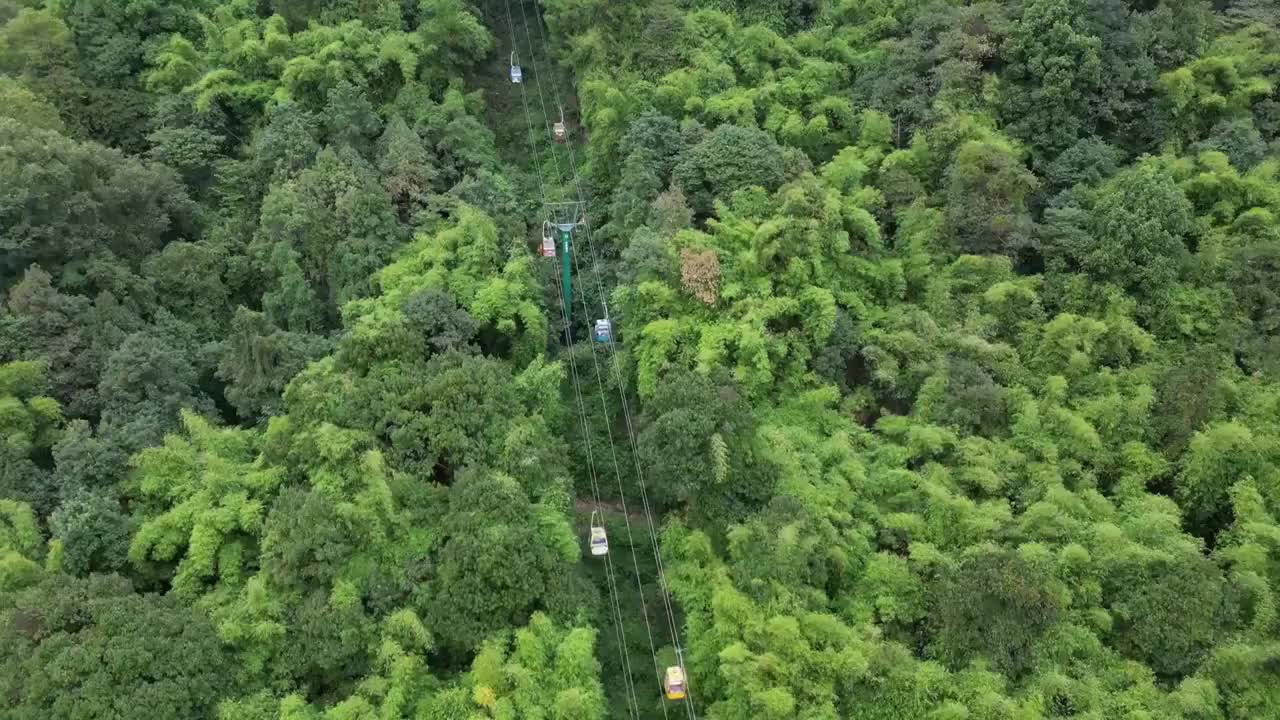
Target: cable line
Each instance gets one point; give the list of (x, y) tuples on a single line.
[(663, 585), (624, 655), (621, 491), (630, 698), (617, 472)]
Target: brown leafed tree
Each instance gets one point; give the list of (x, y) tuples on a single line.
[(700, 273)]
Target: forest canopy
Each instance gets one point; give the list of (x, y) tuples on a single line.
[(464, 359)]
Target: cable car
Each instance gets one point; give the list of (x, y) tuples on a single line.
[(548, 242), (517, 75), (673, 683), (604, 331), (599, 541), (558, 130)]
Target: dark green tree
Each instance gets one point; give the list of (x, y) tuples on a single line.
[(322, 235), (50, 326), (94, 531), (349, 118), (1054, 76), (147, 382), (987, 193), (729, 158), (66, 204), (695, 448), (996, 604), (84, 461), (406, 166), (96, 649), (257, 360), (1253, 274), (502, 558), (1170, 613), (1137, 234)]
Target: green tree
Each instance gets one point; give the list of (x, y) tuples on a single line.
[(1227, 82), (322, 235), (37, 47), (68, 203), (987, 192), (28, 108), (996, 603), (30, 423), (494, 283), (257, 360), (201, 500), (96, 649), (1054, 77), (728, 158), (1218, 457), (544, 668), (1137, 233), (21, 546), (502, 558), (334, 553)]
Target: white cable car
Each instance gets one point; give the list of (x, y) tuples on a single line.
[(673, 683), (548, 242), (604, 330), (598, 540), (517, 75), (558, 130)]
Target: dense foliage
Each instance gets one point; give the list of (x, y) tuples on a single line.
[(946, 380)]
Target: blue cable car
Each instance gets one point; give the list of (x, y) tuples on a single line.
[(604, 331), (517, 75)]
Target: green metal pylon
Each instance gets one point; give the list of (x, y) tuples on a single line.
[(566, 247)]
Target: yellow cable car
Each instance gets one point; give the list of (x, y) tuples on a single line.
[(673, 683)]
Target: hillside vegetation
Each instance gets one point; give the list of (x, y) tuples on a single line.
[(940, 378)]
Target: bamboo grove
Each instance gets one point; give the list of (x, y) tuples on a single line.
[(918, 359)]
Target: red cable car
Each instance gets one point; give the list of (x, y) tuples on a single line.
[(548, 242)]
